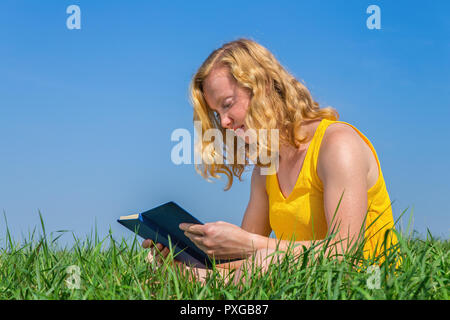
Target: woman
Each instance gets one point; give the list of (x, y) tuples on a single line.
[(329, 179)]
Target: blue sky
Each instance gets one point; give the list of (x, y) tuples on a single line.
[(86, 115)]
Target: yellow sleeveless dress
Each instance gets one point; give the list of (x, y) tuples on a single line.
[(301, 215)]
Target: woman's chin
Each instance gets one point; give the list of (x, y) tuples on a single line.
[(240, 132)]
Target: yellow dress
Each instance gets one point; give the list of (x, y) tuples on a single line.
[(301, 215)]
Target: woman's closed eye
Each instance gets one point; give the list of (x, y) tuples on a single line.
[(227, 106)]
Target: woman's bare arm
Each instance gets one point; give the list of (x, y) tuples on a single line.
[(256, 216)]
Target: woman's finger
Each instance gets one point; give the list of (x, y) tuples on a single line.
[(157, 247), (147, 243), (154, 252), (165, 252), (161, 254), (192, 228), (151, 258), (197, 239)]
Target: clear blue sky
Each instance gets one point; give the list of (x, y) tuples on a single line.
[(86, 115)]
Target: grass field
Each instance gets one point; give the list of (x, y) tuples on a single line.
[(106, 269)]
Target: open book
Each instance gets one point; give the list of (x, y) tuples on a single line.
[(161, 224)]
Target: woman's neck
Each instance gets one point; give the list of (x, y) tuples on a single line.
[(289, 152)]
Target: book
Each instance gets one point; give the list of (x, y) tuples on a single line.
[(161, 224)]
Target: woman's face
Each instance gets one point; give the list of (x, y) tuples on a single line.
[(227, 99)]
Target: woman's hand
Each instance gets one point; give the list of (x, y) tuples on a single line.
[(220, 239), (158, 252)]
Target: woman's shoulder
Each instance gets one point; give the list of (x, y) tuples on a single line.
[(341, 130), (340, 139), (342, 146)]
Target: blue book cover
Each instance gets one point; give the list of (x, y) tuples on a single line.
[(161, 224)]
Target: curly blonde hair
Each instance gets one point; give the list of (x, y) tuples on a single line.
[(278, 101)]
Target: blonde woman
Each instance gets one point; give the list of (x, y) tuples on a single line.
[(322, 162)]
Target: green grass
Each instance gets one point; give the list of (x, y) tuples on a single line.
[(37, 269)]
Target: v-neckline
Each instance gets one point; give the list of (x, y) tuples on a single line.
[(301, 169)]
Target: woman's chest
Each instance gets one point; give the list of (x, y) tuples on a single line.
[(289, 171), (288, 174)]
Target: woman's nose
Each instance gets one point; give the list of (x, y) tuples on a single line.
[(226, 122)]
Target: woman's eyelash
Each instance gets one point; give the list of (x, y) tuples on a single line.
[(217, 115)]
